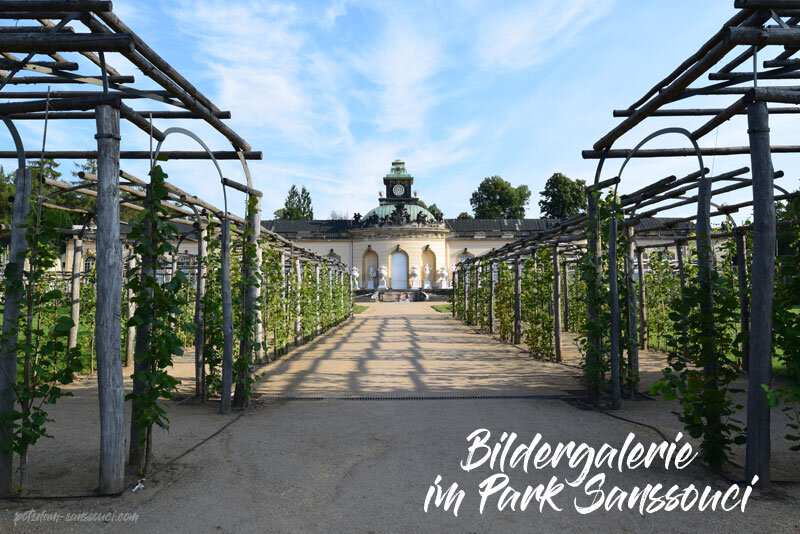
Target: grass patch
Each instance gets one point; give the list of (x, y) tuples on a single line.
[(359, 308), (442, 308)]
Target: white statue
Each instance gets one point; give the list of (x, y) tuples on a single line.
[(382, 271), (443, 278), (427, 271), (355, 274), (413, 275), (372, 275)]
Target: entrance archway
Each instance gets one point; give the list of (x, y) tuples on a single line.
[(369, 259), (399, 270)]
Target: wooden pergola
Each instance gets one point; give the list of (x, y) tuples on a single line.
[(38, 37), (750, 61)]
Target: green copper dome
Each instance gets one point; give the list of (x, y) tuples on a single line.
[(385, 210)]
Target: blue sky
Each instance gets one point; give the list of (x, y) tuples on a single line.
[(333, 91)]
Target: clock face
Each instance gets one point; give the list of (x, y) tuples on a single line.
[(398, 190)]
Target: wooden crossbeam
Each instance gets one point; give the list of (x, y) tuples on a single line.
[(132, 154), (50, 6), (684, 152), (43, 43)]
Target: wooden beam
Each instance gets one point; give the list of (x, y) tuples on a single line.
[(738, 18), (713, 51), (63, 42), (769, 4), (684, 152), (91, 56), (54, 65), (150, 55), (722, 117), (33, 29), (61, 104), (133, 154), (9, 7), (162, 73), (603, 184), (23, 95), (756, 36), (702, 112), (241, 187), (77, 115), (63, 79)]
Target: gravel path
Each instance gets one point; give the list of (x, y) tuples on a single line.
[(366, 465)]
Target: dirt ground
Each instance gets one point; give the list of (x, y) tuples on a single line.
[(349, 432)]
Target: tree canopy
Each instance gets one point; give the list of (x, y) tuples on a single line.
[(562, 197), (496, 198), (297, 206), (464, 215), (433, 208)]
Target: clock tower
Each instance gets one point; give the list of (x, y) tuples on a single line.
[(398, 184)]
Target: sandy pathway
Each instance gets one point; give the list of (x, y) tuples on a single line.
[(366, 465)]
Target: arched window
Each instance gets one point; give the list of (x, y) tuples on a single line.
[(88, 263)]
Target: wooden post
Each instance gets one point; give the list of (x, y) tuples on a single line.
[(682, 278), (476, 294), (298, 266), (318, 328), (173, 265), (227, 319), (255, 224), (109, 301), (565, 288), (200, 317), (130, 338), (75, 291), (136, 454), (642, 307), (613, 296), (517, 301), (349, 293), (744, 304), (592, 313), (760, 361), (633, 342), (8, 357), (465, 293), (492, 267), (556, 304)]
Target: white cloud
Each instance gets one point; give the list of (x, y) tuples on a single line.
[(530, 34)]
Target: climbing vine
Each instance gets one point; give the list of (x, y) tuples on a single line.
[(702, 383), (537, 290), (158, 305), (47, 362)]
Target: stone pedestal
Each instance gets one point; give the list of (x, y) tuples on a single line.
[(414, 277), (382, 277)]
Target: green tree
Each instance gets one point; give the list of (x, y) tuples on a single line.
[(297, 206), (562, 197), (495, 198), (435, 211), (464, 215)]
